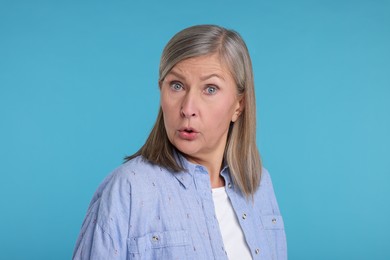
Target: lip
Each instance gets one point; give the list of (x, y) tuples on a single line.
[(188, 133)]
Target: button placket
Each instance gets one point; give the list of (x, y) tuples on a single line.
[(203, 186)]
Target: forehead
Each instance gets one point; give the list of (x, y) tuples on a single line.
[(203, 64)]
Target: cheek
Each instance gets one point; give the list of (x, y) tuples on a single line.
[(168, 112), (223, 114), (169, 126), (164, 105), (218, 119), (163, 100), (168, 116), (167, 103)]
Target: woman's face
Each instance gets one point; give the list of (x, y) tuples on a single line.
[(199, 100)]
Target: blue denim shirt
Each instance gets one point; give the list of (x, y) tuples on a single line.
[(143, 211)]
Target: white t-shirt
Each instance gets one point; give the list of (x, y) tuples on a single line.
[(232, 235)]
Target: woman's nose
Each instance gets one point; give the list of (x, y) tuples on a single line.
[(189, 106)]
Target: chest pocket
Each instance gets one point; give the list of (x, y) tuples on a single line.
[(274, 228), (272, 222), (159, 245)]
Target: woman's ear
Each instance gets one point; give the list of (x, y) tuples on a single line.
[(239, 109)]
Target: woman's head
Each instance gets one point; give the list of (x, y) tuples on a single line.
[(203, 40), (199, 102), (241, 152)]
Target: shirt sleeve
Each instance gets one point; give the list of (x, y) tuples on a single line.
[(270, 190), (93, 242), (275, 228), (104, 231)]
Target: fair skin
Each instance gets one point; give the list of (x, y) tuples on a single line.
[(199, 101)]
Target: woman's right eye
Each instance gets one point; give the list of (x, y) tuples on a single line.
[(176, 86)]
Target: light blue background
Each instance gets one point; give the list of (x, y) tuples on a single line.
[(78, 92)]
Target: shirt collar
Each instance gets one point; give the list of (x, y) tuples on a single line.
[(186, 177), (225, 172)]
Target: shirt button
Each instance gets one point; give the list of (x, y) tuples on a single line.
[(155, 238), (257, 251), (229, 185), (274, 220), (244, 216)]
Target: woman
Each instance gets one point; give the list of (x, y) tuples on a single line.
[(196, 189)]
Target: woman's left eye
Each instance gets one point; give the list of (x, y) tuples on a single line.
[(211, 90)]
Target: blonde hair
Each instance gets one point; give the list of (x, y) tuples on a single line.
[(241, 153)]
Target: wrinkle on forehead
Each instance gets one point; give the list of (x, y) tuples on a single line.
[(208, 66)]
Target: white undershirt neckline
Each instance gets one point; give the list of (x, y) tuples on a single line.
[(232, 235)]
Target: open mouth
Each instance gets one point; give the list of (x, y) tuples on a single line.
[(188, 133)]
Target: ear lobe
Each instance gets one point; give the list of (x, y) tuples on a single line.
[(236, 115), (239, 109)]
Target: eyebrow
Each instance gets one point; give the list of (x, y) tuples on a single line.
[(177, 74), (174, 73)]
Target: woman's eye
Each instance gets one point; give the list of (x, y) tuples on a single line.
[(211, 90), (176, 86)]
